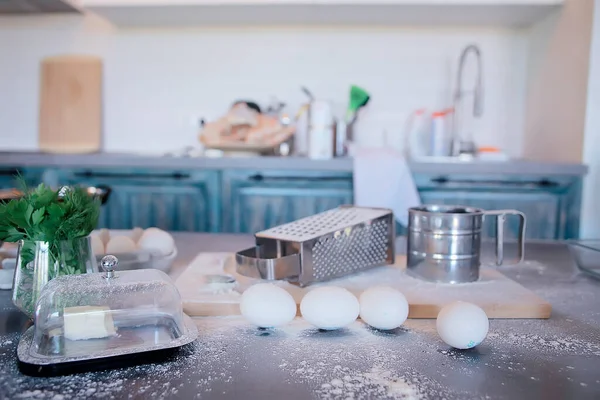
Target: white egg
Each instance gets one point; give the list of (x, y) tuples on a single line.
[(136, 234), (104, 235), (97, 245), (157, 240), (383, 307), (120, 244), (329, 307), (267, 305), (462, 325)]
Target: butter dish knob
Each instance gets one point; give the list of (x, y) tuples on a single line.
[(108, 264)]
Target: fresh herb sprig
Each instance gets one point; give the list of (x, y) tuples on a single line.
[(60, 218), (49, 215)]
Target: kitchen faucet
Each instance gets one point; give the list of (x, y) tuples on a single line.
[(460, 146)]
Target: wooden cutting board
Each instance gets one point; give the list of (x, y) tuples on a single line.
[(498, 295), (70, 104)]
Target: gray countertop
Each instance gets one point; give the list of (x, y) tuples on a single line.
[(16, 159), (558, 358)]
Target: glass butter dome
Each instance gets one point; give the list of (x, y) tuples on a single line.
[(99, 315)]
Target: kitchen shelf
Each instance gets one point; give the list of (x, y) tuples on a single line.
[(150, 13)]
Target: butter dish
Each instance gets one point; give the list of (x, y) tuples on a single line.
[(100, 320)]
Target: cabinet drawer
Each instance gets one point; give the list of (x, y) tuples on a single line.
[(173, 200), (257, 200), (542, 210), (8, 177), (492, 183)]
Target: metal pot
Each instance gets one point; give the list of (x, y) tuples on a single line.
[(102, 192)]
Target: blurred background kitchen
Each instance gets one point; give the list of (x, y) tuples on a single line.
[(234, 116)]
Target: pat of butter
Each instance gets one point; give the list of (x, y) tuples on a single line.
[(88, 322)]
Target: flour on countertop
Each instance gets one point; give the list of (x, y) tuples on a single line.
[(353, 363), (377, 383)]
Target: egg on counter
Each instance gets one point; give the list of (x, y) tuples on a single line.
[(383, 307), (462, 325), (104, 235), (97, 245), (120, 244), (136, 234), (157, 240), (329, 307), (267, 305)]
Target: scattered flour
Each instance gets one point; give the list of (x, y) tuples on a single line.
[(353, 363), (545, 341), (376, 383)]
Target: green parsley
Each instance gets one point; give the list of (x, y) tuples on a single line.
[(49, 215), (61, 218)]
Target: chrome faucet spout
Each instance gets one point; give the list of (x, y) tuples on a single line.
[(458, 146), (478, 90)]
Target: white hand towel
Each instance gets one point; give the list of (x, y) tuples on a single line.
[(383, 179)]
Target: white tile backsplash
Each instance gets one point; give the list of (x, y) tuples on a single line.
[(158, 81)]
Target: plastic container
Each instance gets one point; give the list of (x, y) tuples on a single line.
[(144, 259), (321, 131), (418, 140), (139, 258), (587, 256), (491, 154)]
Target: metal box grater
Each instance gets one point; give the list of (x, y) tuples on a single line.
[(328, 245)]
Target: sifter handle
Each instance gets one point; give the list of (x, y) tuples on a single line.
[(500, 219)]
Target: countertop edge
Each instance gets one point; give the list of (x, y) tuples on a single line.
[(514, 167)]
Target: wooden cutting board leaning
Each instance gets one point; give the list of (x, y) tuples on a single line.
[(499, 296), (70, 104)]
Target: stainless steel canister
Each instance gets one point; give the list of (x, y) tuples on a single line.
[(444, 242)]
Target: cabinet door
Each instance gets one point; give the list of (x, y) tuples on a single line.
[(8, 177), (541, 210), (551, 203), (257, 200), (170, 200)]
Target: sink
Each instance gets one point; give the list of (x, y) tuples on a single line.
[(499, 157)]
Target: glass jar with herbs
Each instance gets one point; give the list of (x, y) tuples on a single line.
[(52, 228)]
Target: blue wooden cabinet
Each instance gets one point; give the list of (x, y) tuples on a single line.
[(257, 200), (168, 199), (8, 180), (551, 204), (247, 201)]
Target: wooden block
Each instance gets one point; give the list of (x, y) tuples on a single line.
[(498, 295)]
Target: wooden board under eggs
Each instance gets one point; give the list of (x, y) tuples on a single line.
[(499, 296)]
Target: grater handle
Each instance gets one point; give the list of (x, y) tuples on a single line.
[(252, 263)]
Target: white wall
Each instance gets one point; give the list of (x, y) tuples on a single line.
[(157, 81), (590, 221), (557, 84)]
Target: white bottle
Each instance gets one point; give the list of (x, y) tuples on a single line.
[(301, 135), (320, 131), (417, 137), (439, 144)]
